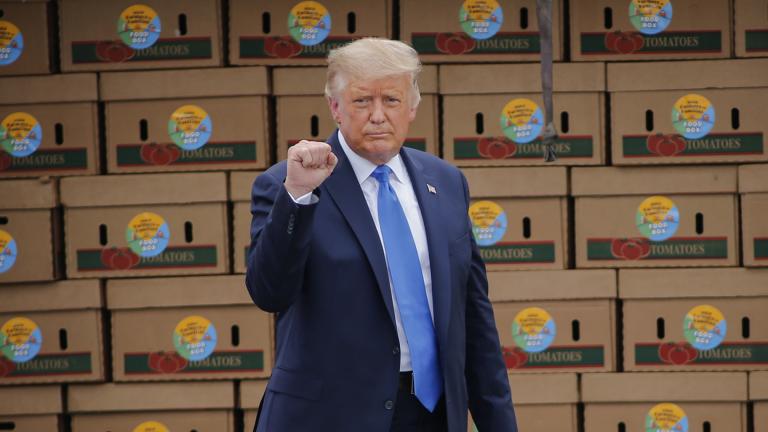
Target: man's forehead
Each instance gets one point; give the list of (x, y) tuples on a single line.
[(399, 83)]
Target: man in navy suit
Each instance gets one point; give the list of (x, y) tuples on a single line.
[(365, 251)]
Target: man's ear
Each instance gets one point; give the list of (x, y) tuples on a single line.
[(333, 105), (412, 113)]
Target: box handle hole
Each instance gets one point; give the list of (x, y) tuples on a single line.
[(576, 330), (621, 426), (649, 120), (235, 335), (699, 223), (735, 120), (3, 220), (564, 122), (608, 18), (143, 129), (745, 327), (188, 234), (7, 425), (527, 227), (523, 18), (351, 23), (660, 331), (266, 23), (58, 132), (479, 127), (314, 125), (103, 237), (706, 427), (182, 24), (63, 340)]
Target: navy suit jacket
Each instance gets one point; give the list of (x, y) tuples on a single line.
[(321, 268)]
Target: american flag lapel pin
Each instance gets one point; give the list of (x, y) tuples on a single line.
[(431, 189)]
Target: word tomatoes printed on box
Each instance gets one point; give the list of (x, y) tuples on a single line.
[(147, 234)]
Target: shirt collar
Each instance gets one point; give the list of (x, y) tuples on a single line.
[(363, 168)]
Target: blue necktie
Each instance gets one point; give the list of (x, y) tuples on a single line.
[(408, 283)]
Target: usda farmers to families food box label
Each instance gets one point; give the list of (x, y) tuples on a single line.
[(139, 26), (147, 234), (20, 339), (195, 338)]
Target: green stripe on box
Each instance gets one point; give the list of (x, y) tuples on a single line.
[(673, 248), (211, 153), (725, 354), (519, 253), (662, 43), (219, 361), (724, 144), (761, 248), (560, 357), (49, 365), (500, 43), (466, 148), (49, 159), (252, 47), (163, 49), (756, 40), (416, 143), (172, 257)]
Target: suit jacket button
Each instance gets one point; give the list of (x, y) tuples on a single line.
[(389, 404), (396, 350)]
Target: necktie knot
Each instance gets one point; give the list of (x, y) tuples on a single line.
[(381, 174)]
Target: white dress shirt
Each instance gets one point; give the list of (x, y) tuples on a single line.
[(401, 183)]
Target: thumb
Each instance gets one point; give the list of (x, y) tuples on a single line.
[(332, 161)]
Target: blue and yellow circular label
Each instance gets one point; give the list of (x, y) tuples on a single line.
[(190, 127), (704, 327), (20, 339), (650, 17), (489, 222), (533, 329), (522, 120), (8, 251), (139, 26), (20, 134), (481, 19), (693, 116), (11, 43), (151, 426), (666, 417), (147, 234), (195, 338), (657, 218), (309, 23)]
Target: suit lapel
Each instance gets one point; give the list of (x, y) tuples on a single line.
[(345, 191)]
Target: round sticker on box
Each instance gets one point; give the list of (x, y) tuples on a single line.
[(481, 19), (657, 218), (139, 26), (309, 23), (650, 16), (147, 234), (489, 222), (20, 134), (151, 426), (11, 43), (666, 417), (190, 127), (195, 338), (533, 329), (8, 251), (522, 120), (693, 116), (704, 327), (20, 339)]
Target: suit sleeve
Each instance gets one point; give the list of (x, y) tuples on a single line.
[(490, 399), (280, 243)]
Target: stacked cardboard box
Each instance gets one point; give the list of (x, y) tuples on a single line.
[(240, 184), (758, 394), (753, 186), (27, 26), (31, 409)]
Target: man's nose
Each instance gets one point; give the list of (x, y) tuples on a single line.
[(377, 112)]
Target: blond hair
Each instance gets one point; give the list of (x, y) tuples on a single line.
[(371, 59)]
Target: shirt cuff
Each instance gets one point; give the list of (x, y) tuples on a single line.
[(306, 199)]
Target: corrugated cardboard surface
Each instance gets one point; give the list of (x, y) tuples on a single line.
[(758, 386), (753, 178), (251, 393), (42, 423), (517, 182), (750, 31), (256, 23), (32, 20), (28, 194), (240, 185), (35, 400), (753, 184), (78, 87), (177, 292), (423, 23), (52, 296), (552, 285), (692, 283), (476, 95), (614, 181), (97, 45), (679, 386), (692, 75), (697, 30)]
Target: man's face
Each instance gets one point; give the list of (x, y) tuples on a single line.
[(374, 116)]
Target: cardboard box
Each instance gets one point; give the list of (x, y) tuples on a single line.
[(260, 30), (758, 394), (750, 28), (229, 337), (713, 319), (190, 120), (240, 185), (251, 393), (753, 186), (520, 216), (26, 24), (435, 29), (556, 321), (60, 333), (31, 409), (544, 403), (149, 407), (303, 113), (478, 98), (59, 117), (724, 96), (146, 225), (613, 206), (95, 35), (608, 30), (29, 231), (630, 401)]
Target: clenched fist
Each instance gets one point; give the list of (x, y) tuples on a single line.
[(309, 164)]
